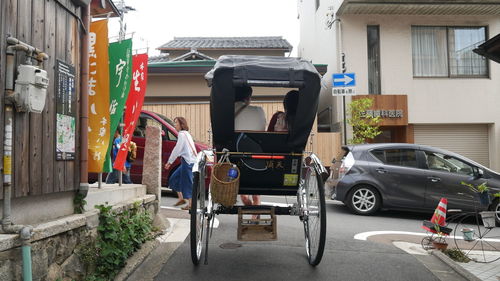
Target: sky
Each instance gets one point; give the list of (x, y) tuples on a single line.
[(155, 22)]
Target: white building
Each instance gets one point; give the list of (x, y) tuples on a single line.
[(421, 51)]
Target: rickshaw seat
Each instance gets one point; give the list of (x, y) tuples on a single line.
[(278, 176)]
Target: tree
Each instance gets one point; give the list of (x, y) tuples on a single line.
[(363, 126)]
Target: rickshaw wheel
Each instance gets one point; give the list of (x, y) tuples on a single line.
[(198, 218), (314, 218)]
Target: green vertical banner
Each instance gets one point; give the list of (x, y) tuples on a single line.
[(120, 74)]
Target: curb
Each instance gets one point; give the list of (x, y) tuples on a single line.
[(148, 261), (455, 266), (137, 259)]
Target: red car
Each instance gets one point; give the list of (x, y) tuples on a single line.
[(169, 139)]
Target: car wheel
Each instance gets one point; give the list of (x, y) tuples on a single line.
[(495, 206), (363, 200)]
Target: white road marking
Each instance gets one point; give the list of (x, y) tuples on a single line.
[(276, 204), (364, 235), (170, 208)]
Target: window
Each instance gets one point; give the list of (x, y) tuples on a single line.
[(439, 51), (373, 34), (146, 120), (398, 157), (445, 163)]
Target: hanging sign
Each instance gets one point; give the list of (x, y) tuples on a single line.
[(133, 106), (120, 70), (65, 111), (99, 134)]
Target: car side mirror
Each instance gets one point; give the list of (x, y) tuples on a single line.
[(477, 173)]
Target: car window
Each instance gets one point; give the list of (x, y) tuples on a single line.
[(166, 119), (398, 157), (440, 162), (146, 120)]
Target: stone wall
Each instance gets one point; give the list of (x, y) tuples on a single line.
[(55, 245)]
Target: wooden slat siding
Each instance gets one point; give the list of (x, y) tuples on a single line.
[(36, 130), (3, 15), (325, 145), (61, 25), (48, 148), (21, 123), (328, 147), (69, 166)]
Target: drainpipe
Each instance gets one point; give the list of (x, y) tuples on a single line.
[(25, 235), (84, 101), (7, 226)]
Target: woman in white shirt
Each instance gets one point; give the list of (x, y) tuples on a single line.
[(247, 118), (182, 179)]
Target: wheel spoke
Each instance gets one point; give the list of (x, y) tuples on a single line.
[(315, 220)]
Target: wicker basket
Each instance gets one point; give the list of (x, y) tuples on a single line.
[(224, 192)]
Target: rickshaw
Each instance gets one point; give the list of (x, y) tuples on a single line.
[(258, 154)]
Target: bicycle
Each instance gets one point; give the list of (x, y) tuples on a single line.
[(479, 241)]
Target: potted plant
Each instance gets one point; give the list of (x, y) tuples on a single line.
[(468, 234), (439, 242), (488, 218), (482, 191)]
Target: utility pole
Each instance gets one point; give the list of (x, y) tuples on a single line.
[(343, 103)]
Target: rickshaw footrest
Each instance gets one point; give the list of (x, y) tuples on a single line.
[(257, 224)]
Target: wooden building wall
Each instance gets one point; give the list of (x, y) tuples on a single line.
[(46, 25), (325, 145)]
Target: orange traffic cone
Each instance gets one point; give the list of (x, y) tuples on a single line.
[(439, 216)]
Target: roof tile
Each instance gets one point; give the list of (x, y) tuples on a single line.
[(200, 43)]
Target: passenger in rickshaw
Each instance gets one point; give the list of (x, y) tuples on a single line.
[(248, 118), (282, 121)]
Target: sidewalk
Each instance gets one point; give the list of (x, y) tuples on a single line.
[(146, 265), (485, 271), (472, 270)]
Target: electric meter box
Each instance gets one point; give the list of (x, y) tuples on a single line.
[(31, 89)]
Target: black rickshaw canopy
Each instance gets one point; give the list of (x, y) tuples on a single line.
[(265, 71)]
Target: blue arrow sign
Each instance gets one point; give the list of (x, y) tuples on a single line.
[(344, 79)]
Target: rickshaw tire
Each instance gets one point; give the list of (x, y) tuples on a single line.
[(322, 236), (193, 223)]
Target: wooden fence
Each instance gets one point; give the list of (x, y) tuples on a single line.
[(325, 145), (45, 25)]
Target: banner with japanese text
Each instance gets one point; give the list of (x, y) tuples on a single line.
[(133, 106), (98, 134), (120, 69)]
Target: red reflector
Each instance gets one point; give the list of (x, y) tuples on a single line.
[(268, 157)]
